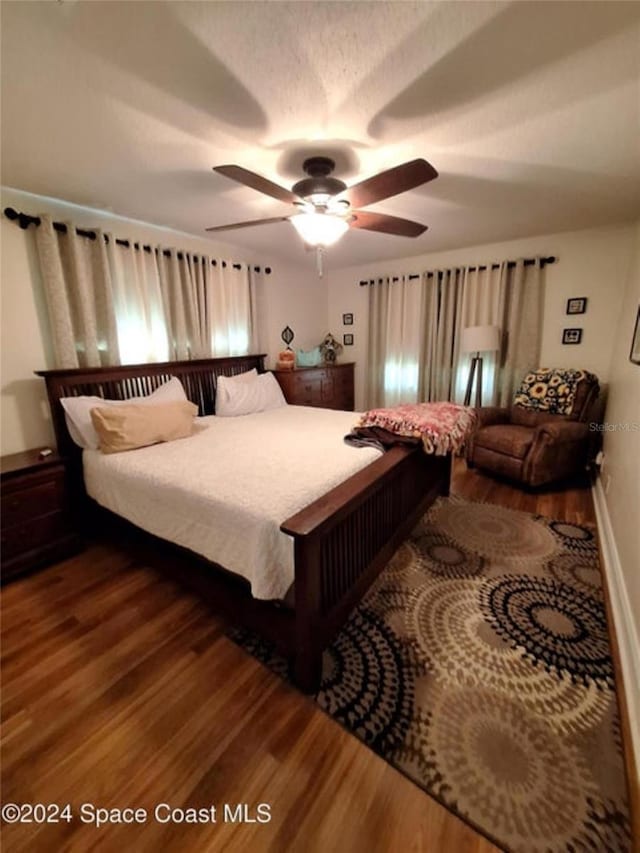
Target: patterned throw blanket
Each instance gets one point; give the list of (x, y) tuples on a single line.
[(441, 427), (550, 389)]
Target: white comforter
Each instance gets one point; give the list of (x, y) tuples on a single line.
[(224, 491)]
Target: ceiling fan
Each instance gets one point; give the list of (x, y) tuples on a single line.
[(327, 207)]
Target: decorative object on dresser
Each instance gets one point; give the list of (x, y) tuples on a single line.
[(330, 348), (328, 387), (308, 358), (478, 339), (571, 336), (36, 526), (286, 358), (577, 305)]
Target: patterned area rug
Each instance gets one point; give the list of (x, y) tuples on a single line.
[(478, 665)]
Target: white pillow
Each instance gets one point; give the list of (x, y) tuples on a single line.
[(247, 376), (246, 398), (77, 410)]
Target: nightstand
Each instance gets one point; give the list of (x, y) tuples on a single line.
[(36, 525)]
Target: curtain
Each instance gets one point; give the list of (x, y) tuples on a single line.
[(483, 299), (112, 304), (415, 327), (79, 295), (232, 304), (511, 298), (395, 342), (443, 293), (138, 304), (522, 317)]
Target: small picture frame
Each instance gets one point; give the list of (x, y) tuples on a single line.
[(347, 319), (571, 336), (577, 305), (634, 355), (347, 340)]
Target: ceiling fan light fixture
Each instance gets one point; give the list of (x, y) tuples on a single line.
[(318, 198), (319, 229)]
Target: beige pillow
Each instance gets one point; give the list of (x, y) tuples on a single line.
[(137, 425)]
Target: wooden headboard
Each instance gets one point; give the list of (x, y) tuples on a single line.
[(137, 380)]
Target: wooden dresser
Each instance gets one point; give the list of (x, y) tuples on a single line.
[(36, 526), (329, 386)]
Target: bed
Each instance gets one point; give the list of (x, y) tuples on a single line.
[(337, 544)]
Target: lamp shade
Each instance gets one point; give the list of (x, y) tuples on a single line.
[(480, 339), (319, 229)]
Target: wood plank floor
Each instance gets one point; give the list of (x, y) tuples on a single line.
[(120, 690)]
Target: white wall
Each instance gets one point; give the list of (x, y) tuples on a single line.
[(621, 470), (617, 494), (590, 263), (293, 297), (289, 296)]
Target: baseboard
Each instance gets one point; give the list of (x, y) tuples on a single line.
[(626, 637)]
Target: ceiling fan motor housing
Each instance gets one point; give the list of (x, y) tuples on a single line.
[(319, 182)]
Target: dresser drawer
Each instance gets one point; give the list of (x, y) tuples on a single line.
[(307, 384), (22, 504), (343, 379), (36, 534), (330, 386), (306, 391)]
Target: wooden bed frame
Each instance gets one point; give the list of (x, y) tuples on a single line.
[(342, 540)]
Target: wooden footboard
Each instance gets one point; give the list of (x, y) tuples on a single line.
[(344, 539)]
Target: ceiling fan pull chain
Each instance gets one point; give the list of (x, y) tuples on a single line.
[(319, 252)]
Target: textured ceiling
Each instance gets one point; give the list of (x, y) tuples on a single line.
[(529, 111)]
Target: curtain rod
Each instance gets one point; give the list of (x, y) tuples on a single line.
[(511, 264), (25, 220)]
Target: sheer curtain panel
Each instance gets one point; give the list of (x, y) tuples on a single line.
[(139, 309), (396, 320)]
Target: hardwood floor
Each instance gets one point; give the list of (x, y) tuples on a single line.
[(120, 690), (573, 504)]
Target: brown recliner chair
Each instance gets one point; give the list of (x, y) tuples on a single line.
[(535, 447)]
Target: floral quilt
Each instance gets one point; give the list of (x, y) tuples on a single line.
[(550, 389), (442, 427)]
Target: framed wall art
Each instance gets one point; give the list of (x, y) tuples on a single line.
[(577, 305), (347, 340), (347, 319), (571, 336)]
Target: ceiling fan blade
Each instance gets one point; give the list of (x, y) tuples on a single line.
[(248, 224), (392, 182), (256, 182), (386, 224)]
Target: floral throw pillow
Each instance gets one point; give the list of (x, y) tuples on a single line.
[(550, 389)]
